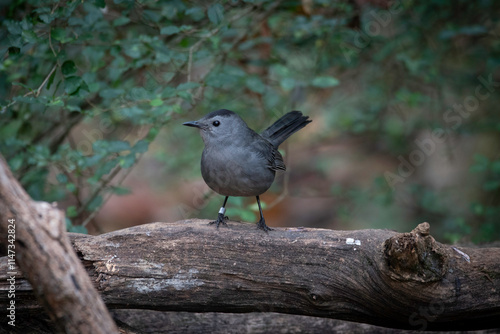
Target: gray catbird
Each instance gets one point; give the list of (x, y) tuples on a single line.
[(237, 161)]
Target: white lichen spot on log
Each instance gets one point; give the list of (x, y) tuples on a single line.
[(180, 281), (152, 268), (351, 241)]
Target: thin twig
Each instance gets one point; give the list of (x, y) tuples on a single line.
[(39, 90), (35, 93), (108, 196), (96, 192), (51, 47)]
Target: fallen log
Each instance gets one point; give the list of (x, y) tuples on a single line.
[(379, 277)]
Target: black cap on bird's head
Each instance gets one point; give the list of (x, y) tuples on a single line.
[(203, 122)]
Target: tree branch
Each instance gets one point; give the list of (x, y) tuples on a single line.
[(380, 277), (41, 249)]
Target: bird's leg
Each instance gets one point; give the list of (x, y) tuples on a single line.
[(221, 219), (262, 223)]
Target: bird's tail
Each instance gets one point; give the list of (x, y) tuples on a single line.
[(284, 127)]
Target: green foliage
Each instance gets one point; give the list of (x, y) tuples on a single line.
[(87, 87), (81, 80), (237, 208), (486, 212)]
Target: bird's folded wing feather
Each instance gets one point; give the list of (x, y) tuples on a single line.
[(270, 154)]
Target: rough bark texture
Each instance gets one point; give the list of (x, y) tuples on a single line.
[(44, 253), (379, 277), (142, 321)]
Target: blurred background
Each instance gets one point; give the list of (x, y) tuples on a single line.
[(403, 96)]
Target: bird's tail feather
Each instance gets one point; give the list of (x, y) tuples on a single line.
[(284, 127)]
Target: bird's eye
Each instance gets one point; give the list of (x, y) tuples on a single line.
[(216, 123)]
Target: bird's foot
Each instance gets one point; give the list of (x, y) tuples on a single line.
[(262, 225), (221, 219)]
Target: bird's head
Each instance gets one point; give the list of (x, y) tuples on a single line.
[(219, 125)]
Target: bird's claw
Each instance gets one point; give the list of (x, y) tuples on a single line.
[(262, 225), (221, 219)]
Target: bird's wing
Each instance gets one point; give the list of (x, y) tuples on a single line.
[(279, 164), (270, 154)]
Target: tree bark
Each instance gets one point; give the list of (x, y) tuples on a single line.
[(379, 277), (35, 238)]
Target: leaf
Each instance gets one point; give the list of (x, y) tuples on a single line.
[(151, 15), (95, 203), (153, 132), (481, 164), (68, 68), (216, 13), (71, 107), (71, 211), (51, 79), (62, 178), (196, 13), (120, 191), (247, 44), (71, 187), (127, 161), (111, 93), (188, 85), (169, 30), (134, 50), (168, 92), (29, 36), (156, 102), (77, 229), (92, 160), (141, 146), (325, 82), (72, 84), (115, 146), (132, 112), (16, 162), (100, 3), (22, 85), (491, 185), (287, 84), (185, 96), (495, 166), (58, 34), (139, 93), (255, 85), (122, 20), (177, 108), (46, 18)]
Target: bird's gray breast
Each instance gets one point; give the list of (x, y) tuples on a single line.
[(237, 169)]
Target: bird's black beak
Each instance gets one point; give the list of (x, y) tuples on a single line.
[(194, 124)]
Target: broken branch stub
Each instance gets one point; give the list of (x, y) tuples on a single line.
[(415, 256)]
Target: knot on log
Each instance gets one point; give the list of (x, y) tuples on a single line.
[(415, 256)]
